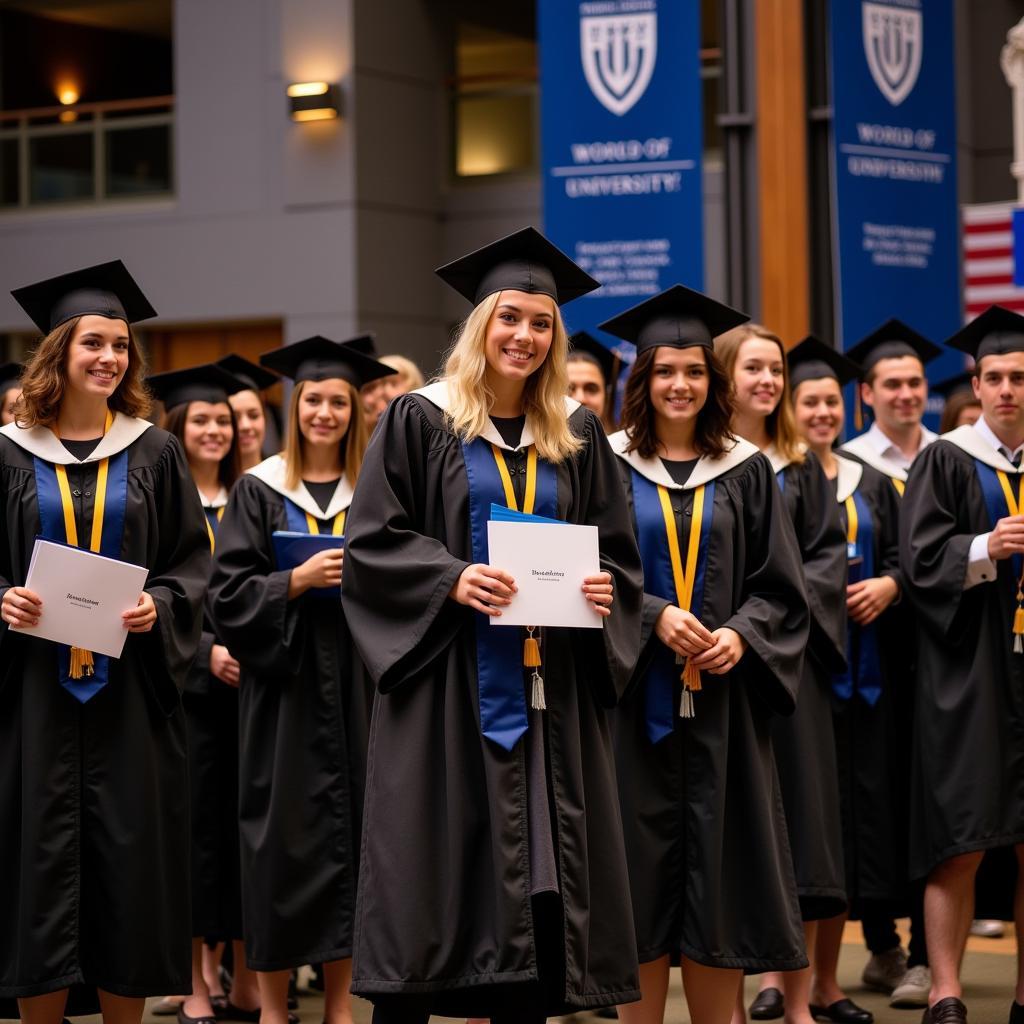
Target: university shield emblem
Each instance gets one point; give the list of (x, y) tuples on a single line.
[(893, 44), (619, 52)]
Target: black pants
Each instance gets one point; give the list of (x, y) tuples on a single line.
[(880, 933), (523, 1003)]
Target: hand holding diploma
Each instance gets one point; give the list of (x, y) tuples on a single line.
[(599, 592), (21, 607), (142, 617), (483, 588)]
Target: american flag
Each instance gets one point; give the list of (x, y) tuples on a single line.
[(988, 259)]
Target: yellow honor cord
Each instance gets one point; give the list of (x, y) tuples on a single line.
[(337, 527), (852, 523), (82, 663), (1014, 506), (684, 579), (899, 485)]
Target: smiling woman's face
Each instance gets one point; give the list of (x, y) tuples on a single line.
[(519, 334)]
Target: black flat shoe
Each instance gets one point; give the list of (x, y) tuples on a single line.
[(231, 1012), (184, 1018), (610, 1013), (842, 1011), (1016, 1013), (946, 1011), (769, 1005)]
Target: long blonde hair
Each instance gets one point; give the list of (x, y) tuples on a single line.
[(781, 423), (351, 447), (470, 399)]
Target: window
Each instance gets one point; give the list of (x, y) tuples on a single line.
[(494, 102)]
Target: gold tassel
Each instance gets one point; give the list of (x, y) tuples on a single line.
[(1018, 624), (531, 649), (81, 663), (691, 676), (858, 408)]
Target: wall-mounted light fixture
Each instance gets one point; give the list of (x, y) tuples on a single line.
[(314, 101), (68, 93)]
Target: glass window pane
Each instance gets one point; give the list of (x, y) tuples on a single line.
[(139, 161), (60, 168), (9, 172), (494, 134)]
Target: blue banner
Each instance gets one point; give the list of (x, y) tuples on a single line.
[(622, 141), (895, 201)]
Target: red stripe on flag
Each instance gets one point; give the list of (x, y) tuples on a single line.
[(1017, 305), (988, 254), (992, 225), (985, 279)]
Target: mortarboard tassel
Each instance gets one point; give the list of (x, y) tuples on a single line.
[(1018, 620), (691, 684), (81, 663), (858, 409), (531, 659)]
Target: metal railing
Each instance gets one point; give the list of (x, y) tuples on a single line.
[(100, 136)]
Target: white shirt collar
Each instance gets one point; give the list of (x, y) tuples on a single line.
[(982, 427), (891, 452), (219, 501)]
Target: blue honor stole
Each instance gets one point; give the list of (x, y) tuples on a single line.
[(1001, 502), (658, 540), (82, 673), (300, 521), (863, 673), (499, 651), (213, 518)]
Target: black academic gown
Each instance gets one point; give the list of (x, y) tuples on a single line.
[(444, 891), (804, 743), (710, 868), (304, 713), (94, 880), (871, 745), (967, 783), (211, 713)]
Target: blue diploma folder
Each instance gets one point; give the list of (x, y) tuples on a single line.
[(500, 514), (292, 549)]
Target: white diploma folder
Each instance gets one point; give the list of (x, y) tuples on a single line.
[(549, 562), (84, 596)]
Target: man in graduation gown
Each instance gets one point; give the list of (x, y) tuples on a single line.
[(893, 385), (961, 550)]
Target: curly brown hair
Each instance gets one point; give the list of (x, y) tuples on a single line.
[(45, 377), (229, 469), (712, 435)]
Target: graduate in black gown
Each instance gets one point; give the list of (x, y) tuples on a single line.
[(803, 743), (304, 701), (710, 869), (197, 412), (962, 551), (493, 879), (251, 415), (865, 697), (94, 878)]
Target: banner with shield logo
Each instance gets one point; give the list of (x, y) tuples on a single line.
[(621, 137), (895, 229)]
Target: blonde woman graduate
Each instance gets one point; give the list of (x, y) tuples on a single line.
[(304, 702), (803, 743), (94, 878), (493, 879), (725, 623), (865, 696)]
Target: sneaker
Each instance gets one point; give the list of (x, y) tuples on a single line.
[(988, 929), (884, 971), (913, 989)]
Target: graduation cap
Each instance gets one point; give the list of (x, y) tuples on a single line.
[(365, 343), (252, 376), (594, 351), (207, 383), (10, 376), (678, 317), (893, 340), (106, 289), (319, 358), (994, 333), (524, 261), (812, 359)]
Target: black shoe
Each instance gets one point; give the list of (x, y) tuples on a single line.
[(842, 1011), (769, 1005), (611, 1013), (1016, 1013), (946, 1011), (184, 1018)]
